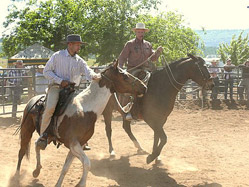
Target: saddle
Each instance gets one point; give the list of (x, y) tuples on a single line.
[(65, 96)]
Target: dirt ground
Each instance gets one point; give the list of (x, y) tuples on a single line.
[(205, 148)]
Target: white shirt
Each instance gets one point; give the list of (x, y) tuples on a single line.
[(62, 66)]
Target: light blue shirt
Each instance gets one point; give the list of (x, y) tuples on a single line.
[(62, 66)]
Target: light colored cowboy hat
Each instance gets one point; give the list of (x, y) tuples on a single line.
[(74, 38), (41, 66), (18, 62), (140, 26)]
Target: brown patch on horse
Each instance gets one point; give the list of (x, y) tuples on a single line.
[(80, 126)]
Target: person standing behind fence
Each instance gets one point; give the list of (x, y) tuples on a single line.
[(214, 71), (244, 83), (41, 83), (228, 78), (16, 85)]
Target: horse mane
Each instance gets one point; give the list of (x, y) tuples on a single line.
[(172, 65)]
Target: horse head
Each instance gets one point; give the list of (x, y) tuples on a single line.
[(118, 80), (200, 73)]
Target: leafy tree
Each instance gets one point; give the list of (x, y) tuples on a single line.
[(168, 31), (104, 24), (237, 50)]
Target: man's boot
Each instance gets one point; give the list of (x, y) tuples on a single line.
[(128, 117), (42, 141)]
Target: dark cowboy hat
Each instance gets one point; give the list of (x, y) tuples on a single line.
[(74, 38)]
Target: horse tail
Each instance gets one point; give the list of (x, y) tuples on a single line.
[(27, 127)]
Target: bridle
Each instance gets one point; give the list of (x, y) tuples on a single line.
[(113, 83), (172, 79)]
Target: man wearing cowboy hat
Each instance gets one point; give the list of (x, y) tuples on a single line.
[(64, 67), (138, 50), (16, 84), (244, 83), (138, 54)]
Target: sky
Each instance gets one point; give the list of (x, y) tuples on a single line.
[(198, 14)]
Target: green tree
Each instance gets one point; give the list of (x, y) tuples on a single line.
[(168, 30), (104, 24), (237, 50)]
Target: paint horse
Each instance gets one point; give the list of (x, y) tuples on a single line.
[(76, 124), (158, 102)]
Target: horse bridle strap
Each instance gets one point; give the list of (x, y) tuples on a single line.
[(167, 68)]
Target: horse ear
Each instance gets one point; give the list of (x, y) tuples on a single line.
[(192, 56), (115, 63)]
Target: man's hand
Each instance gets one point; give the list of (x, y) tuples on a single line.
[(160, 49), (64, 83), (96, 76)]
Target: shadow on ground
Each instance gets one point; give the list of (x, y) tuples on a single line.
[(9, 121)]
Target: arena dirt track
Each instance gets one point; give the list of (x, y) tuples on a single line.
[(205, 148)]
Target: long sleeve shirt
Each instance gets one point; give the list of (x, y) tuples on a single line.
[(228, 71), (213, 70), (18, 73), (136, 52), (62, 66)]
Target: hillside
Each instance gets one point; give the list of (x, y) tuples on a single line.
[(212, 38)]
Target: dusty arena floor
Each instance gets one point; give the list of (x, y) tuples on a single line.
[(205, 148)]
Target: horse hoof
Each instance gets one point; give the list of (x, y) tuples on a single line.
[(159, 162), (112, 155), (141, 152), (36, 172), (149, 159)]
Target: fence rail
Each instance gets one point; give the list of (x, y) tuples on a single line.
[(30, 84)]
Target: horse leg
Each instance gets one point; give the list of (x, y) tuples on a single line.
[(108, 129), (27, 129), (159, 132), (156, 140), (77, 151), (66, 166), (127, 128), (36, 172)]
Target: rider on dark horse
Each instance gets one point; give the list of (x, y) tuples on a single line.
[(65, 67), (138, 54)]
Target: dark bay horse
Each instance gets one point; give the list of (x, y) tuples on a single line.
[(158, 102), (76, 124)]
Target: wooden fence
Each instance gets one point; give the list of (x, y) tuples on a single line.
[(190, 91)]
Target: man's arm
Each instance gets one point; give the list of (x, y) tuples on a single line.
[(48, 71), (156, 54), (122, 59), (89, 73)]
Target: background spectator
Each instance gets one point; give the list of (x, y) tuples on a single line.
[(214, 71), (16, 85), (40, 80), (228, 76), (244, 83)]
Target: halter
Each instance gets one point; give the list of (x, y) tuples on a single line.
[(172, 78)]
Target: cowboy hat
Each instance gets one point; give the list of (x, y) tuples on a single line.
[(74, 38), (140, 26), (41, 67), (18, 62)]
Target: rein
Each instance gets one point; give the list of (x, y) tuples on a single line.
[(171, 78)]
